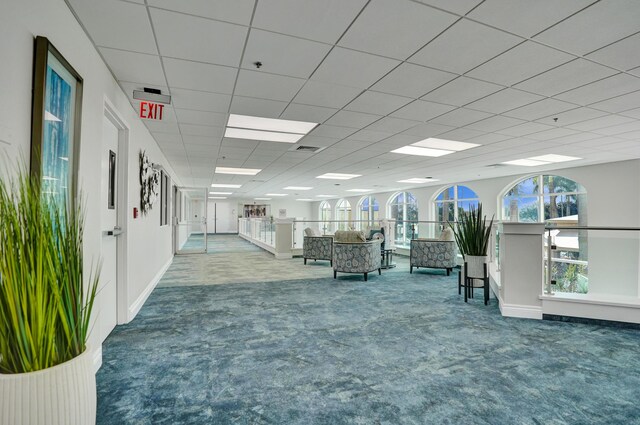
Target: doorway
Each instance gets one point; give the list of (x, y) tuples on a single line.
[(223, 217), (112, 306), (190, 220)]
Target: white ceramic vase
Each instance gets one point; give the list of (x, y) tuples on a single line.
[(475, 265), (61, 395)]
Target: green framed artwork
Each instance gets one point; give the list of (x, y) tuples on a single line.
[(55, 122)]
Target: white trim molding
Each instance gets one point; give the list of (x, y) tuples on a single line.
[(522, 311), (139, 302), (97, 358)]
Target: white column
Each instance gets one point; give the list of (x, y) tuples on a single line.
[(284, 238)]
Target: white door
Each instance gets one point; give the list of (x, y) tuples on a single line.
[(107, 298), (226, 217)]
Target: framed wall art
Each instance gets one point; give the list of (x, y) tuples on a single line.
[(55, 122)]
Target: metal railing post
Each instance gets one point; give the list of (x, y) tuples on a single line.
[(549, 272)]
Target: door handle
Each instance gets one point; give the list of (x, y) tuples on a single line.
[(117, 230)]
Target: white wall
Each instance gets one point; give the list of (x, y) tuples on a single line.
[(149, 245)]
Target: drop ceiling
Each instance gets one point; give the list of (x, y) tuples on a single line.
[(378, 75)]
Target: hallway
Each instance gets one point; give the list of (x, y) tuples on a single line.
[(402, 348)]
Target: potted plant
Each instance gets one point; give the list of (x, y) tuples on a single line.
[(472, 234), (46, 370)]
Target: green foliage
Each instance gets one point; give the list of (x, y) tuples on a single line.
[(472, 232), (44, 308)]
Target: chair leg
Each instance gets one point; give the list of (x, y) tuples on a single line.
[(410, 269), (365, 276), (331, 263), (486, 291), (335, 274), (380, 272), (466, 283), (459, 282), (305, 261), (448, 272)]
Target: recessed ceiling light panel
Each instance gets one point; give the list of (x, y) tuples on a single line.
[(554, 158), (265, 136), (325, 196), (526, 162), (304, 199), (262, 199), (450, 145), (275, 194), (220, 193), (359, 190), (418, 151), (270, 124), (229, 186), (417, 180), (238, 171), (297, 188), (338, 176), (217, 197)]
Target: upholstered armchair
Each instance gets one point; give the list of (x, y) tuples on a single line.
[(434, 253), (353, 254), (317, 248)]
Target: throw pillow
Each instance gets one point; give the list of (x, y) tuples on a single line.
[(350, 236), (447, 235), (309, 232)]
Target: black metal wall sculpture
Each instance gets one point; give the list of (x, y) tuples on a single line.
[(149, 184)]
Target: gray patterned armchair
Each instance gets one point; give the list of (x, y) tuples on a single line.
[(432, 253), (357, 257), (317, 248)]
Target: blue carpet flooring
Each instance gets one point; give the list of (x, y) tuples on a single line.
[(399, 349)]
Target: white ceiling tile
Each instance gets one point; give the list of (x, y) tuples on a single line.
[(267, 86), (619, 103), (460, 7), (352, 119), (566, 77), (596, 123), (421, 110), (282, 54), (392, 125), (324, 130), (162, 127), (323, 21), (377, 103), (624, 54), (395, 28), (526, 17), (325, 94), (524, 129), (460, 117), (633, 135), (168, 138), (554, 133), (601, 90), (189, 116), (572, 116), (577, 34), (504, 100), (201, 130), (427, 130), (318, 141), (633, 113), (489, 138), (237, 11), (462, 91), (199, 100), (618, 130), (412, 80), (257, 107), (495, 123), (518, 64), (307, 113), (201, 140), (472, 43), (199, 39), (199, 76), (351, 68), (134, 67), (461, 134), (117, 24), (542, 108), (369, 136)]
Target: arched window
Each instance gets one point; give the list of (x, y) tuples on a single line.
[(343, 214), (368, 211), (544, 197), (325, 216), (403, 208), (452, 199)]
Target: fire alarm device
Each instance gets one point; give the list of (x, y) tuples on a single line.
[(135, 212)]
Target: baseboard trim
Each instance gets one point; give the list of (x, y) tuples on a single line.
[(134, 309), (97, 359), (522, 311)]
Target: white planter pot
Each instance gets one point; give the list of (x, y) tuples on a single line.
[(61, 395), (475, 265)]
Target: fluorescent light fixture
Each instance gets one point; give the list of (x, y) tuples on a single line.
[(325, 196), (266, 136), (359, 190), (275, 194), (228, 186), (554, 158), (450, 145), (217, 197), (297, 188), (416, 150), (417, 180), (526, 162), (220, 193), (304, 199), (262, 199), (338, 176), (238, 171), (270, 124)]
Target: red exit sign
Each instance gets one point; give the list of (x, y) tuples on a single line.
[(151, 111)]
